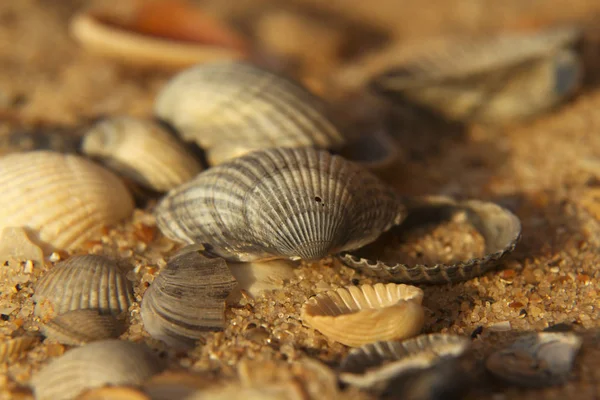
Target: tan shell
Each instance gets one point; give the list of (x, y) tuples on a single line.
[(356, 315), (234, 108), (78, 327), (176, 385), (11, 349), (62, 200), (83, 282), (290, 390), (106, 362), (15, 245), (280, 203), (187, 299), (142, 150), (114, 393), (257, 277)]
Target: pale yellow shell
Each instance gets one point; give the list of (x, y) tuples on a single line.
[(62, 200), (356, 315), (256, 277), (142, 150)]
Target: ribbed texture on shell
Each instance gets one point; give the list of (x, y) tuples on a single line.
[(142, 150), (83, 282), (82, 326), (107, 362), (241, 105), (62, 199), (13, 348), (187, 299), (287, 203), (500, 228)]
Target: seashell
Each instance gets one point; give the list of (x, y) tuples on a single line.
[(83, 282), (61, 200), (176, 385), (257, 277), (356, 315), (143, 151), (280, 203), (106, 362), (490, 79), (114, 393), (78, 327), (375, 151), (47, 138), (232, 108), (540, 359), (289, 390), (187, 299), (16, 245), (374, 365), (14, 348), (500, 229)]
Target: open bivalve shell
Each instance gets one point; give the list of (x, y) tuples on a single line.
[(187, 299), (106, 362), (143, 151), (280, 203), (356, 315), (234, 108), (374, 365), (78, 327), (540, 359), (83, 282), (499, 228), (62, 200)]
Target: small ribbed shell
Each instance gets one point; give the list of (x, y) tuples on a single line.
[(143, 151), (187, 299), (78, 327), (83, 282), (500, 228), (62, 200), (356, 315), (106, 362), (14, 348), (244, 107), (280, 203)]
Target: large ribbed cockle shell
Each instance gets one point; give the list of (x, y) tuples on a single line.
[(142, 150), (83, 282), (102, 363), (232, 108), (62, 200), (280, 203)]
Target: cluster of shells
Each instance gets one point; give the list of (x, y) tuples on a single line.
[(275, 193)]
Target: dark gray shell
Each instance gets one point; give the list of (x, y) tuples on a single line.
[(280, 203), (242, 107), (500, 228)]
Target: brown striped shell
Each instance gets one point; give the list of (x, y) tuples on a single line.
[(62, 200), (231, 108), (83, 282), (142, 150), (82, 326), (280, 203), (106, 362), (187, 299)]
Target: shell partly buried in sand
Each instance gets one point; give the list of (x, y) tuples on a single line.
[(256, 277), (82, 326), (11, 349), (280, 203), (61, 200), (356, 315)]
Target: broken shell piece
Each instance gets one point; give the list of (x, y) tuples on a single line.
[(143, 151), (78, 327), (106, 362), (11, 349), (114, 393), (187, 299), (374, 366), (256, 277), (16, 245), (61, 200), (499, 228), (356, 315), (541, 359), (376, 150), (83, 282)]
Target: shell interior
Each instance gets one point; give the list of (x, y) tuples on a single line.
[(375, 150)]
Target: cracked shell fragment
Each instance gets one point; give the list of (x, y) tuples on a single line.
[(61, 200), (102, 363), (280, 203), (536, 360), (78, 327), (356, 315), (499, 228)]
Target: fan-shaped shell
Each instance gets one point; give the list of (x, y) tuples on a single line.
[(541, 359), (280, 203), (106, 362), (500, 229), (356, 315), (142, 150), (243, 107), (187, 299), (15, 347), (62, 200), (83, 282), (78, 327)]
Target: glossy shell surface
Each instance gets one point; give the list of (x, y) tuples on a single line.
[(82, 326)]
